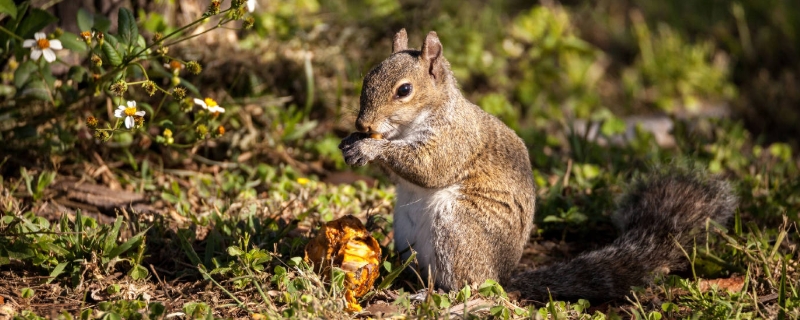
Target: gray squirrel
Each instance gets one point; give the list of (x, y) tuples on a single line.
[(465, 192)]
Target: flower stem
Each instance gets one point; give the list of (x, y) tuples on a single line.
[(144, 72), (196, 22), (163, 98), (13, 35), (192, 36)]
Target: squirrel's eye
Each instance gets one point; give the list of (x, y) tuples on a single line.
[(403, 91)]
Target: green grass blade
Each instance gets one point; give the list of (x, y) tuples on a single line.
[(187, 248), (125, 246), (782, 293), (58, 270), (396, 272)]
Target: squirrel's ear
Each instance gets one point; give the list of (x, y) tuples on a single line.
[(400, 41), (432, 54)]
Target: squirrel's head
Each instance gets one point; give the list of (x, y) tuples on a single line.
[(403, 86)]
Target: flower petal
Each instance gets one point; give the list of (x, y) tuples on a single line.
[(216, 109), (39, 35), (35, 53), (201, 103), (140, 113), (56, 45), (28, 43), (128, 122), (251, 5), (49, 55), (119, 113), (132, 103)]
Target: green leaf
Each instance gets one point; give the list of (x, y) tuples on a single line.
[(490, 288), (113, 56), (58, 270), (295, 261), (613, 126), (7, 6), (112, 316), (35, 90), (464, 294), (77, 73), (101, 23), (26, 293), (111, 236), (235, 251), (125, 246), (156, 310), (114, 41), (141, 43), (23, 73), (72, 42), (44, 180), (138, 272), (552, 218), (85, 20), (35, 21), (389, 279), (500, 312), (154, 22), (112, 289), (442, 301), (299, 130), (128, 30)]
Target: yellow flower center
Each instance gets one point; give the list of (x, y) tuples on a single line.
[(130, 111), (43, 43), (210, 102), (86, 35)]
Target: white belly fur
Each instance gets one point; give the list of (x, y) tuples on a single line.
[(414, 212)]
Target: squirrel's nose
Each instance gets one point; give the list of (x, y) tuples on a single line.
[(361, 126)]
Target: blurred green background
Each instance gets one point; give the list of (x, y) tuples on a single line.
[(536, 65)]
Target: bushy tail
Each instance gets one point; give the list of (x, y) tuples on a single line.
[(657, 214)]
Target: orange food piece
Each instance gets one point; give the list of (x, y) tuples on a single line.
[(346, 243), (376, 136)]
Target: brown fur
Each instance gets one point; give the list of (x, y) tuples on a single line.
[(474, 176)]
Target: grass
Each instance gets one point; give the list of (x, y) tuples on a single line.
[(216, 227), (230, 244)]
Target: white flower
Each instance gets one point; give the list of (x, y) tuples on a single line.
[(251, 5), (40, 45), (210, 105), (129, 113)]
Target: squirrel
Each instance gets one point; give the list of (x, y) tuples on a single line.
[(466, 198)]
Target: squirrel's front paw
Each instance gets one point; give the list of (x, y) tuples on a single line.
[(358, 149), (348, 141)]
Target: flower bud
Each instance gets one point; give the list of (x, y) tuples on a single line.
[(194, 67)]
